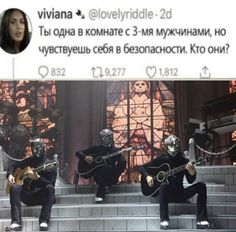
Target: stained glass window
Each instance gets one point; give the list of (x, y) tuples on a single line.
[(140, 113), (25, 112)]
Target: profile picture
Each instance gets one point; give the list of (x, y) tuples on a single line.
[(15, 31)]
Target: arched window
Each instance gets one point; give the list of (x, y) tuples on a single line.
[(140, 113)]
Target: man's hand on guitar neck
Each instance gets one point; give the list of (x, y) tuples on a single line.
[(149, 180), (191, 169), (89, 159)]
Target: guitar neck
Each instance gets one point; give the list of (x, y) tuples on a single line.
[(39, 169), (116, 153), (46, 166), (176, 170)]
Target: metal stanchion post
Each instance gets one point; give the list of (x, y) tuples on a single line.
[(60, 180), (1, 160)]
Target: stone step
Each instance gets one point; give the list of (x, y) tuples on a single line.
[(218, 178), (159, 230), (121, 223), (136, 187), (119, 188), (126, 209), (221, 174), (60, 190), (124, 188), (136, 198), (116, 210), (125, 198)]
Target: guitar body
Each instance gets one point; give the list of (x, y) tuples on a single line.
[(163, 172), (87, 170), (158, 178), (20, 175)]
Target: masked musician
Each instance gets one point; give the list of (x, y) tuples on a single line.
[(37, 189), (109, 172), (172, 189)]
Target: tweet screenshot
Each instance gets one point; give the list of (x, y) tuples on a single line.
[(158, 40), (117, 115)]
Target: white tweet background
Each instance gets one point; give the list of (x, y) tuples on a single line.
[(185, 14)]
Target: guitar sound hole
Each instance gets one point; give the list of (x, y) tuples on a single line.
[(160, 176), (98, 160)]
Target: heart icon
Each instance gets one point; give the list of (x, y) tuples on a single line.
[(151, 71)]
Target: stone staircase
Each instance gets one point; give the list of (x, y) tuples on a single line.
[(125, 209)]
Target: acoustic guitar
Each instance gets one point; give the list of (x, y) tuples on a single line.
[(87, 170), (161, 174), (20, 174)]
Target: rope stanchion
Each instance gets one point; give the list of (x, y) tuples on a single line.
[(11, 158), (216, 153)]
